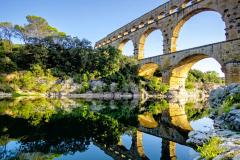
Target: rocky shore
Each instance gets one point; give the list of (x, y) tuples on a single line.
[(107, 95), (230, 142), (226, 123)]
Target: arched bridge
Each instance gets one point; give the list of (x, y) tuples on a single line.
[(169, 19)]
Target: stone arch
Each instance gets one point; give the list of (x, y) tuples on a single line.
[(179, 73), (147, 70), (123, 43), (142, 40), (177, 27)]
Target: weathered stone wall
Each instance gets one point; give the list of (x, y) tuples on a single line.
[(175, 67), (169, 18)]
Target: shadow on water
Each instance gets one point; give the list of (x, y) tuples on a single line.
[(67, 129)]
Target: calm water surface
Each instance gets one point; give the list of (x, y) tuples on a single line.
[(88, 130)]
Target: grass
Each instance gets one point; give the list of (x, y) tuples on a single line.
[(190, 86), (229, 102), (211, 149)]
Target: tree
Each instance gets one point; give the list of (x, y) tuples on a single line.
[(212, 77), (7, 32), (37, 27)]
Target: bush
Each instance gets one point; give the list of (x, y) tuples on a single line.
[(189, 85), (85, 86), (37, 80), (5, 88), (164, 88), (229, 102), (211, 149), (155, 85), (204, 77), (158, 107)]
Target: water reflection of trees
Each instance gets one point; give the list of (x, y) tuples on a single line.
[(55, 127), (63, 132)]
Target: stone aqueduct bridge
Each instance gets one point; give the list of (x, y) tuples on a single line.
[(169, 18)]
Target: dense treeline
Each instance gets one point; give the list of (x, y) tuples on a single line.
[(198, 77), (204, 77), (65, 55), (56, 54)]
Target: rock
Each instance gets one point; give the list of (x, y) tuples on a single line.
[(230, 139), (133, 88), (198, 138), (229, 120), (113, 87), (5, 95), (218, 95), (97, 85)]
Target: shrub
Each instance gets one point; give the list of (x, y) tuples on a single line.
[(85, 86), (164, 88), (229, 102), (189, 85), (37, 80), (211, 149), (5, 88), (157, 107), (155, 85)]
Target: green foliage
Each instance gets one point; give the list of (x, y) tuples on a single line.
[(36, 80), (199, 76), (128, 72), (194, 113), (85, 86), (65, 56), (189, 85), (35, 111), (37, 27), (158, 107), (211, 149), (231, 101), (155, 85), (5, 88)]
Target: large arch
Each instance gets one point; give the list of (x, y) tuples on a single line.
[(179, 73), (127, 46), (178, 26), (143, 38), (147, 70)]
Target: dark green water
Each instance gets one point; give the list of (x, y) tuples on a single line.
[(35, 129)]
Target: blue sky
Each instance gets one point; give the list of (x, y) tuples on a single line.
[(94, 19)]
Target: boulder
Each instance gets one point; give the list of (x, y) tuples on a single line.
[(218, 95), (198, 138), (229, 120)]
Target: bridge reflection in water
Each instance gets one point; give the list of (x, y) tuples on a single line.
[(173, 127)]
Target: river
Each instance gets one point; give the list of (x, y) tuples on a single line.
[(65, 129)]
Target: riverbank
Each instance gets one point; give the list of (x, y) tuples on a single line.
[(225, 112), (106, 95), (229, 142)]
